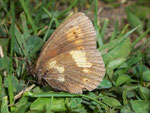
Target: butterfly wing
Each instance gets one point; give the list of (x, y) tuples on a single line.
[(75, 70), (69, 60), (77, 32)]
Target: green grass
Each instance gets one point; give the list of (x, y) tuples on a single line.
[(24, 28)]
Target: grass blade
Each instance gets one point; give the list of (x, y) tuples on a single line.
[(98, 34), (68, 9), (49, 94), (114, 32), (48, 13), (101, 36), (134, 21), (26, 9), (0, 87), (95, 15), (96, 23), (4, 106), (26, 32), (20, 39), (12, 31), (124, 30), (50, 24), (116, 42), (141, 37)]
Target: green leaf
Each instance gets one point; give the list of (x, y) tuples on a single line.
[(104, 84), (34, 111), (4, 106), (75, 102), (112, 102), (15, 83), (5, 63), (137, 8), (146, 75), (26, 32), (134, 21), (20, 46), (140, 106), (34, 44), (122, 79), (126, 109), (4, 42), (56, 106), (91, 94), (124, 97), (144, 92), (96, 110), (114, 43), (2, 31), (122, 50), (22, 105), (115, 63), (17, 49), (37, 89)]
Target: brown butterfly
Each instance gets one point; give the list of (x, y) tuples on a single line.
[(69, 60)]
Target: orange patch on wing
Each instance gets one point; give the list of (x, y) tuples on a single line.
[(78, 41), (80, 48), (73, 32), (53, 53)]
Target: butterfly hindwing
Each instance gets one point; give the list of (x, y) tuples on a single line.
[(76, 70)]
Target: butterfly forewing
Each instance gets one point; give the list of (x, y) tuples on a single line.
[(69, 60), (69, 35)]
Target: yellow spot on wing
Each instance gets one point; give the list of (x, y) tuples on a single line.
[(85, 79), (52, 64), (73, 32), (60, 69), (80, 58), (61, 78), (86, 71), (78, 41)]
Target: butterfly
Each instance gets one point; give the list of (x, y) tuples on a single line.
[(69, 61)]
